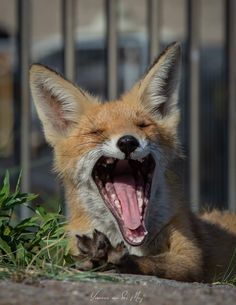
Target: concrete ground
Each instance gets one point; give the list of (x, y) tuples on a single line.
[(139, 290)]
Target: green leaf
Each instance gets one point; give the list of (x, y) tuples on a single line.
[(40, 211), (17, 189), (6, 249), (7, 231), (20, 253), (28, 223), (5, 190), (4, 219)]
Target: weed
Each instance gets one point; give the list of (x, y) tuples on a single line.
[(35, 247)]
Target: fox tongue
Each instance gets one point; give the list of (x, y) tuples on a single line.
[(125, 189)]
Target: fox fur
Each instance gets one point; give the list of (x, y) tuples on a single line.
[(179, 245)]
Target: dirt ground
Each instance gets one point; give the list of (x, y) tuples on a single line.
[(140, 290)]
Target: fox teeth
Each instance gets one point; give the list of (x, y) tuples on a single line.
[(136, 239), (113, 197), (110, 160), (139, 194), (117, 203), (141, 160), (140, 205)]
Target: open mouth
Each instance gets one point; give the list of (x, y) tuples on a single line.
[(125, 186)]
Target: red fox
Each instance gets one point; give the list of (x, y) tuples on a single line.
[(120, 162)]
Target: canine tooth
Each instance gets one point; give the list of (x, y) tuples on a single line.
[(110, 160), (145, 233)]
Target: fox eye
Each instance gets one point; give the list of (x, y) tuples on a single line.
[(96, 131), (143, 124)]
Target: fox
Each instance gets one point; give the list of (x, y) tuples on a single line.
[(121, 165)]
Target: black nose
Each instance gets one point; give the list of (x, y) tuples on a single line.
[(127, 144)]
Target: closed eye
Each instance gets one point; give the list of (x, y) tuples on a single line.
[(93, 132), (96, 131), (143, 124)]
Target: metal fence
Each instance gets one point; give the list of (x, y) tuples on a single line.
[(192, 81)]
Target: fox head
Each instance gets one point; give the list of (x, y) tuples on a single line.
[(116, 157)]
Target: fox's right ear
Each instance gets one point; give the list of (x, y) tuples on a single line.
[(159, 88), (58, 102)]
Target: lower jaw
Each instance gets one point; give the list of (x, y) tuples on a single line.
[(140, 239)]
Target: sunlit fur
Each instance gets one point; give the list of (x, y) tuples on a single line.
[(81, 129)]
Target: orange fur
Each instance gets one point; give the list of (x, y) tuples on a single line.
[(180, 245)]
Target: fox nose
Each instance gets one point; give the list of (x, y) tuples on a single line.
[(127, 144)]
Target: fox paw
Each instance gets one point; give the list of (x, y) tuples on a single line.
[(97, 251), (93, 250)]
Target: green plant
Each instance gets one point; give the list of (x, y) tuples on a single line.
[(35, 247), (33, 241)]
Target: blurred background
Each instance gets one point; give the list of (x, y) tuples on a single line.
[(105, 46)]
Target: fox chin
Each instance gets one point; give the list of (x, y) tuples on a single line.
[(121, 166)]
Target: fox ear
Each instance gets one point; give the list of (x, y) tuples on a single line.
[(158, 90), (58, 102)]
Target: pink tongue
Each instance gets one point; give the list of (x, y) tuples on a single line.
[(125, 189)]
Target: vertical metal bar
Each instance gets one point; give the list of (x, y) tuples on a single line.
[(24, 23), (111, 16), (193, 48), (231, 83), (69, 60), (68, 23), (154, 26)]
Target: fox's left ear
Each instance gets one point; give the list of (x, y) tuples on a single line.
[(158, 90)]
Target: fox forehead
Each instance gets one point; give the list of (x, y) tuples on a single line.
[(114, 117)]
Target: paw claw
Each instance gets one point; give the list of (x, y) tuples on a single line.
[(118, 253), (83, 243), (96, 232)]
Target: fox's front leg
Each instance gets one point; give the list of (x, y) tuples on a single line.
[(182, 262), (165, 265), (177, 264)]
